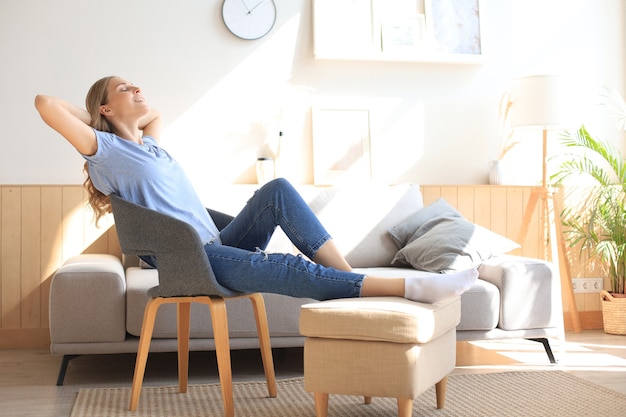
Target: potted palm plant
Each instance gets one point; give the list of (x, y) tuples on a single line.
[(599, 223)]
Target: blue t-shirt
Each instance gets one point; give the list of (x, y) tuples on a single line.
[(148, 176)]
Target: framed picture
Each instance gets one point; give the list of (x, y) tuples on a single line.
[(454, 25), (340, 25), (403, 33), (403, 25), (341, 146)]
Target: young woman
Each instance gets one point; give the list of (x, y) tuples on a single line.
[(118, 136)]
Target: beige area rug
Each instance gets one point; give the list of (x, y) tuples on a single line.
[(552, 393)]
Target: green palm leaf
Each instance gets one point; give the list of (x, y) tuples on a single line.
[(601, 227)]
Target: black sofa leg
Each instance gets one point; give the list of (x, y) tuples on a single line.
[(64, 363), (546, 345)]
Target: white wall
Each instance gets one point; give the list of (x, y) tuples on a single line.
[(221, 96)]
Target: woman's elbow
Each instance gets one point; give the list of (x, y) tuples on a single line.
[(41, 101)]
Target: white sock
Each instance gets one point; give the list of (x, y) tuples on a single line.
[(433, 288)]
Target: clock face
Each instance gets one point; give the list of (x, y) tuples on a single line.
[(249, 19)]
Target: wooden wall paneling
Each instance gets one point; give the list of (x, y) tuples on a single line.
[(465, 203), (101, 234), (580, 267), (498, 209), (516, 202), (114, 242), (99, 242), (482, 207), (11, 246), (589, 269), (73, 221), (592, 302), (31, 258), (91, 231), (42, 226), (536, 241), (51, 243), (512, 211), (430, 194), (96, 240), (450, 194)]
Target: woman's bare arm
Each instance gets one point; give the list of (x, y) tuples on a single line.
[(72, 122), (151, 124)]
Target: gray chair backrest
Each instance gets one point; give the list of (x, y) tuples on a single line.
[(183, 266)]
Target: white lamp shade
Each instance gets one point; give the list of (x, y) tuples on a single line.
[(542, 102)]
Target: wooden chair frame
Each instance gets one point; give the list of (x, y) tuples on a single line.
[(219, 320)]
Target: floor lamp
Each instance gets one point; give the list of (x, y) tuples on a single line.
[(540, 102)]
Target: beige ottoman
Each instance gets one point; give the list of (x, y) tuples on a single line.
[(378, 347)]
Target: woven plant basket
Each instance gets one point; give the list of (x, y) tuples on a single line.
[(613, 313)]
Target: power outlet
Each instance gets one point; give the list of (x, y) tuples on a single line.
[(587, 285)]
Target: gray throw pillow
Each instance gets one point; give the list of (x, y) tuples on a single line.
[(444, 241), (402, 232)]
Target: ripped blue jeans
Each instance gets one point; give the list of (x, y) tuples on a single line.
[(240, 263)]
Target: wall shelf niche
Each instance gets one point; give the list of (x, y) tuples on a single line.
[(426, 31)]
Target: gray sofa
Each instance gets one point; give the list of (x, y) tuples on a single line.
[(97, 301)]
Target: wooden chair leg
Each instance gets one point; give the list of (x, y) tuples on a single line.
[(367, 400), (260, 315), (222, 351), (149, 315), (184, 318), (321, 404), (405, 407), (440, 392)]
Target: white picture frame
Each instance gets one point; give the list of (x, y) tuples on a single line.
[(403, 33)]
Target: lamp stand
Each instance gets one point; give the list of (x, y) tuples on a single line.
[(555, 235)]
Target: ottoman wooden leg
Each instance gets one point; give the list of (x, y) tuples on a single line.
[(405, 407), (321, 404), (440, 391)]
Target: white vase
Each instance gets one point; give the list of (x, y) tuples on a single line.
[(264, 170), (496, 172)]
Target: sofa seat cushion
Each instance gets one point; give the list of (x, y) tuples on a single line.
[(386, 319), (241, 322)]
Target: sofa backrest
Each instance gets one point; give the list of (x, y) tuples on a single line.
[(359, 216)]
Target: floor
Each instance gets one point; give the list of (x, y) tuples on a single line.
[(28, 377)]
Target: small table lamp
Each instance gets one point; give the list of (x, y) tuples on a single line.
[(545, 102)]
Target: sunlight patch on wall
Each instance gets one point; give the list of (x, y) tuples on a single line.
[(218, 138)]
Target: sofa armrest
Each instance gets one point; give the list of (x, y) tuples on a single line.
[(88, 300), (530, 292)]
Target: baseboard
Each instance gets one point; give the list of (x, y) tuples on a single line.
[(24, 339), (589, 320)]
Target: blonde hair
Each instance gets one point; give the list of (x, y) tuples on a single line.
[(96, 97)]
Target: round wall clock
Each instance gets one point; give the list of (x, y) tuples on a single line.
[(249, 19)]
